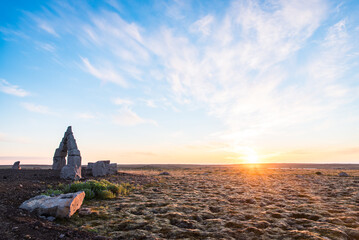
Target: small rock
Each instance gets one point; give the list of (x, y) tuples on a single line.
[(62, 235), (318, 173), (51, 219), (16, 165), (343, 174), (165, 173), (214, 209), (85, 211)]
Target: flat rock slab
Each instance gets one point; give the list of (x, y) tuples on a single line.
[(61, 206)]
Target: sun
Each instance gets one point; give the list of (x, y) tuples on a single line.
[(251, 157)]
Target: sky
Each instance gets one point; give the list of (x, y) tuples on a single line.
[(192, 82)]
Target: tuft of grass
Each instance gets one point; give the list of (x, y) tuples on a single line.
[(50, 192), (94, 189)]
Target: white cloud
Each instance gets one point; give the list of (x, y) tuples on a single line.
[(47, 47), (126, 117), (106, 74), (31, 107), (47, 28), (121, 101), (150, 103), (8, 88), (85, 116), (203, 25)]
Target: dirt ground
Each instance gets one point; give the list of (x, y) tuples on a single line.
[(17, 186), (233, 203), (196, 203)]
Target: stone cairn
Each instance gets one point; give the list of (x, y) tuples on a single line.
[(16, 165), (68, 147)]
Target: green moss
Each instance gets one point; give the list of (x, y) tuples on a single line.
[(93, 189), (53, 192)]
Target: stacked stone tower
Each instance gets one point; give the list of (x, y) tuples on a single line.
[(68, 147)]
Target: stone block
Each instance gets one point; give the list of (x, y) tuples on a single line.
[(62, 206)]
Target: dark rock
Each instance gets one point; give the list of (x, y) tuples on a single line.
[(16, 165)]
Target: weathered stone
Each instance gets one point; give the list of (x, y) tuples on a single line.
[(71, 142), (164, 173), (61, 206), (74, 161), (112, 168), (90, 165), (68, 147), (343, 174), (105, 161), (100, 168), (74, 152), (71, 172), (16, 165), (58, 163)]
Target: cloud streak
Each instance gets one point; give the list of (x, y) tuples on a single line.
[(31, 107), (14, 90), (126, 117), (106, 74)]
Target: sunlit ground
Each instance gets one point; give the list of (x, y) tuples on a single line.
[(241, 202)]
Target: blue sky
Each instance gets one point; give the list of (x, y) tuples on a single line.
[(180, 81)]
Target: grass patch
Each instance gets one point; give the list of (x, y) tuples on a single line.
[(93, 189)]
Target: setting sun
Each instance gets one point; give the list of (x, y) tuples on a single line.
[(252, 158)]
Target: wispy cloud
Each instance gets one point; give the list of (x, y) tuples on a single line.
[(124, 102), (203, 25), (47, 28), (85, 116), (8, 88), (126, 117), (106, 74), (47, 47), (31, 107)]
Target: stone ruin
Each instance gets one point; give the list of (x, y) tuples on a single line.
[(16, 165), (68, 147), (102, 168)]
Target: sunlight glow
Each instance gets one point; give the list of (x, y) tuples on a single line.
[(252, 158)]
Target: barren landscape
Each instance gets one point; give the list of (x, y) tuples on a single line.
[(206, 203)]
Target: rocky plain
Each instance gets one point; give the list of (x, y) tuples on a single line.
[(202, 202)]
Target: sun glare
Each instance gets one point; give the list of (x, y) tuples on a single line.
[(252, 157)]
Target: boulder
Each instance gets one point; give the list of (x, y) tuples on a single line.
[(343, 174), (100, 168), (164, 173), (16, 165), (61, 206)]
